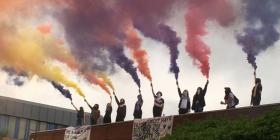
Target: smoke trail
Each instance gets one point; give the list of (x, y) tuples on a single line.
[(57, 51), (106, 79), (90, 26), (55, 48), (19, 52), (61, 89), (15, 78), (133, 42), (117, 55), (148, 17), (260, 32), (94, 79), (44, 28), (199, 11)]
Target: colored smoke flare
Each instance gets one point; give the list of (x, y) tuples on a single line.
[(19, 51), (106, 79), (90, 76), (45, 28), (199, 12), (133, 42), (62, 90), (55, 49), (117, 55), (260, 33)]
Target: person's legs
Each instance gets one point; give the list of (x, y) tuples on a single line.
[(180, 111)]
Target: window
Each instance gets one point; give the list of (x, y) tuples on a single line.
[(33, 125), (43, 126), (3, 126), (11, 127), (22, 128), (51, 126)]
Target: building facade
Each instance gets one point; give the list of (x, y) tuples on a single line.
[(18, 118)]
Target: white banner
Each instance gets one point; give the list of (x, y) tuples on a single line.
[(152, 129), (77, 133)]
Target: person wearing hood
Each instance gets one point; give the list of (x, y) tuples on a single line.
[(121, 111), (95, 113), (229, 99), (80, 115), (198, 99), (158, 103), (256, 92), (108, 112), (138, 107), (184, 104)]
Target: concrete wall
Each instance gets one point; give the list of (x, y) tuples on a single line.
[(123, 131)]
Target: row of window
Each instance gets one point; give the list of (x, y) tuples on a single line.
[(19, 128)]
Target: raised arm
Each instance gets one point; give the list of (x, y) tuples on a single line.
[(153, 90), (179, 90), (74, 106), (88, 103), (205, 87), (116, 98)]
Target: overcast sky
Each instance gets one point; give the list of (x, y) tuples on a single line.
[(228, 67)]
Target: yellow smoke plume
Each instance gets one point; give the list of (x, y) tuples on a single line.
[(106, 79), (23, 52)]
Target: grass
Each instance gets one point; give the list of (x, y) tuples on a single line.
[(266, 127)]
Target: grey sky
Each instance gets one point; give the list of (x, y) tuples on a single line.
[(228, 65)]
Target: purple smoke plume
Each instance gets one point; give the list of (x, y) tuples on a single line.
[(117, 55), (260, 34)]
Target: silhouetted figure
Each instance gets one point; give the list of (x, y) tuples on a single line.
[(198, 99), (138, 107), (80, 115), (256, 92), (184, 104), (108, 112), (230, 99), (121, 111), (158, 103), (95, 113)]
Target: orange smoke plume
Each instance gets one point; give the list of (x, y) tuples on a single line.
[(45, 28), (106, 79), (133, 42), (91, 77)]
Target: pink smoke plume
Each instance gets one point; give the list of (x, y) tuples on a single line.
[(199, 11)]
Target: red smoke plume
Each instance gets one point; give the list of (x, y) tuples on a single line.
[(199, 11), (133, 42)]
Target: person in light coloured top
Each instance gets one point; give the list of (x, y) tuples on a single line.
[(229, 99), (184, 104)]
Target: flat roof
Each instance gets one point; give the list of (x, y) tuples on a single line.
[(36, 111)]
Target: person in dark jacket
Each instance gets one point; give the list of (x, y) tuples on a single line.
[(229, 99), (184, 104), (95, 113), (138, 107), (121, 111), (198, 99), (256, 92), (108, 112), (158, 103), (80, 115)]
